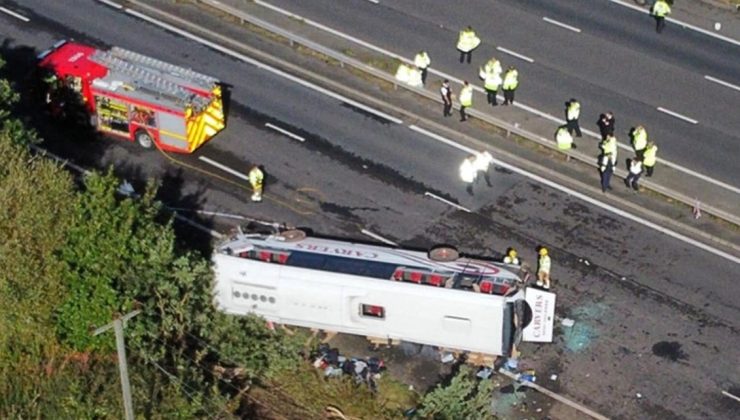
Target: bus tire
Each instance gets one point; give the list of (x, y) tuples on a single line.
[(293, 235), (443, 253), (144, 139)]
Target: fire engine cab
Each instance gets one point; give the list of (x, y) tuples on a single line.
[(130, 95)]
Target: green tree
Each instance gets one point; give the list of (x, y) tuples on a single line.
[(464, 398)]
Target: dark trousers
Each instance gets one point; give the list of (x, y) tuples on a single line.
[(491, 97), (573, 126), (469, 188), (659, 24), (606, 179), (463, 115), (508, 96), (447, 111), (631, 180), (424, 76), (463, 54), (649, 170), (605, 132)]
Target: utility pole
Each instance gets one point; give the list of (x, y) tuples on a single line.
[(117, 326)]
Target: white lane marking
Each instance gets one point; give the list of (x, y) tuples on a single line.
[(14, 14), (210, 213), (678, 22), (378, 237), (517, 104), (677, 115), (112, 4), (436, 197), (374, 1), (286, 132), (561, 24), (590, 200), (725, 393), (261, 65), (722, 82), (515, 54), (224, 168)]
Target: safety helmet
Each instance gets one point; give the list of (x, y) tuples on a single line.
[(512, 252), (543, 251)]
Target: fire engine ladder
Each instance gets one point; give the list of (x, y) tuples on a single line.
[(167, 70), (146, 79)]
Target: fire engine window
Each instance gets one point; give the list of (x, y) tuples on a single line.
[(112, 114), (373, 311)]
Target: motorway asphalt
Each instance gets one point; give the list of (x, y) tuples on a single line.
[(616, 63), (640, 289)]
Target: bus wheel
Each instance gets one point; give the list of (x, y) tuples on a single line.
[(144, 139), (443, 253), (293, 235)]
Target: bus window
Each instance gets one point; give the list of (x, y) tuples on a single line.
[(373, 311)]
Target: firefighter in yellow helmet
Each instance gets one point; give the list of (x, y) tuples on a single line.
[(511, 257), (543, 269), (256, 179)]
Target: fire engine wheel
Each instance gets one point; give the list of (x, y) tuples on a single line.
[(144, 139), (293, 235), (443, 253)]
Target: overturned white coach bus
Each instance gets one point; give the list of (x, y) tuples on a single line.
[(436, 298)]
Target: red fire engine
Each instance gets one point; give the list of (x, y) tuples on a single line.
[(130, 95)]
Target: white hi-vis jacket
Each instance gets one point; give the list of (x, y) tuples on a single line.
[(472, 164), (467, 170), (544, 264), (574, 111)]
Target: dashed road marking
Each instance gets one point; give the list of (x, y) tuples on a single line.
[(112, 4), (517, 104), (14, 14), (677, 115), (224, 168), (378, 237), (515, 54), (678, 22), (448, 202), (261, 65), (584, 197), (722, 82), (374, 1), (286, 132), (561, 24)]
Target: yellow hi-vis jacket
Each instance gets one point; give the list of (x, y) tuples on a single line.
[(609, 146), (256, 177), (563, 139), (467, 41), (650, 156), (466, 96), (661, 8), (639, 138), (492, 80), (494, 66), (574, 111), (409, 75), (511, 80), (544, 264), (422, 60)]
